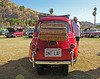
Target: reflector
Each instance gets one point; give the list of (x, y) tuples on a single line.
[(72, 46), (33, 46)]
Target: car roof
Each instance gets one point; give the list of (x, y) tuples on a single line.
[(54, 18)]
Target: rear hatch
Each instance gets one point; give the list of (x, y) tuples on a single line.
[(11, 29)]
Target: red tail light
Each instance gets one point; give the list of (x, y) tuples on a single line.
[(33, 47), (72, 46)]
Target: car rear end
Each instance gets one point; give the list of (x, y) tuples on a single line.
[(11, 32), (30, 32), (53, 44)]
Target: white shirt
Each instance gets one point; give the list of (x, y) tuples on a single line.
[(76, 29)]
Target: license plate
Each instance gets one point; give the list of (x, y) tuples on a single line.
[(52, 52)]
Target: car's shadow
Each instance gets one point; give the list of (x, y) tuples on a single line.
[(23, 67), (24, 37)]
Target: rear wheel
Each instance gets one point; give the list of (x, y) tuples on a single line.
[(7, 36), (40, 69), (29, 36), (65, 69)]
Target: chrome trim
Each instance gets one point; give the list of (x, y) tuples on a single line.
[(30, 60), (72, 58), (71, 37), (35, 37), (66, 37), (33, 61), (34, 44), (54, 62)]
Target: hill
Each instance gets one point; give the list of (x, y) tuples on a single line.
[(87, 23), (97, 23), (12, 11)]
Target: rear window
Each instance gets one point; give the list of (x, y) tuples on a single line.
[(54, 24)]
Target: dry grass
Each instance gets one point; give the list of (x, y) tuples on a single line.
[(14, 60), (13, 48)]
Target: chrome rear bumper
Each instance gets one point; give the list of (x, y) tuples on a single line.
[(53, 62)]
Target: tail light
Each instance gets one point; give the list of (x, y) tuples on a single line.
[(72, 46), (33, 47)]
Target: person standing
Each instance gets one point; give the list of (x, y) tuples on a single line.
[(76, 30)]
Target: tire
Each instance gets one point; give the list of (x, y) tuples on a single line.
[(16, 36), (7, 36), (65, 70), (90, 36), (99, 36), (29, 37), (40, 69)]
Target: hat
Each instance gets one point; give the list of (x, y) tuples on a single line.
[(75, 18)]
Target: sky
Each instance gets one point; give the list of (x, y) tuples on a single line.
[(82, 9)]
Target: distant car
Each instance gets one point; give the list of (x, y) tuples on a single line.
[(82, 34), (14, 32), (92, 33), (30, 32), (3, 31), (25, 33)]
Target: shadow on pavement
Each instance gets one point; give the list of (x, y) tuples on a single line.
[(23, 67), (98, 54)]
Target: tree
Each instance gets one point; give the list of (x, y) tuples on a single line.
[(51, 11), (17, 21), (94, 14), (98, 26), (26, 22), (10, 21), (30, 22), (13, 21), (22, 9), (3, 5), (35, 21)]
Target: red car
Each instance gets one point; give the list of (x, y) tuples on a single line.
[(92, 33), (53, 44), (14, 32)]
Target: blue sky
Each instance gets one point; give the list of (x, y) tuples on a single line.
[(82, 9)]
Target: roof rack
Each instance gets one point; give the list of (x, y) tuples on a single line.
[(67, 16)]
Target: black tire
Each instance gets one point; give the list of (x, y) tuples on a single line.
[(99, 36), (7, 36), (65, 70), (29, 36), (40, 69), (16, 36), (90, 36)]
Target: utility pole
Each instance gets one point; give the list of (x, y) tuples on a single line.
[(94, 14)]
